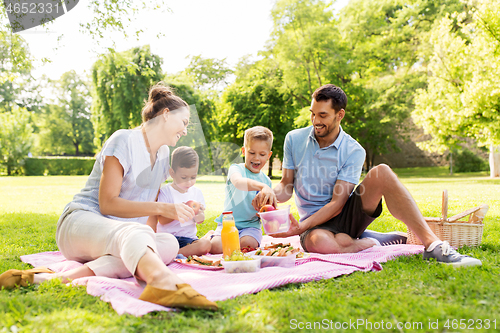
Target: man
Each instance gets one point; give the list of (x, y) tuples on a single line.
[(323, 165)]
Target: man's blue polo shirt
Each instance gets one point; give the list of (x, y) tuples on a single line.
[(317, 169)]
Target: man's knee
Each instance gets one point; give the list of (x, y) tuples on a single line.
[(321, 241), (383, 173)]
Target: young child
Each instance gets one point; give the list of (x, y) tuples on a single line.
[(184, 170), (244, 180)]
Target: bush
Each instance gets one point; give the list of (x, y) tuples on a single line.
[(71, 166), (467, 161)]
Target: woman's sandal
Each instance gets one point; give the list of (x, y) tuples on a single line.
[(17, 278), (184, 297)]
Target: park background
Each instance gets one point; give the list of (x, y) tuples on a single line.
[(421, 79), (422, 82)]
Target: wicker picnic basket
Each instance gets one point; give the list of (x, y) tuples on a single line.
[(452, 230)]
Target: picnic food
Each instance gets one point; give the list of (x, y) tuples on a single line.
[(247, 249), (273, 226), (267, 208), (203, 260), (278, 250), (237, 256), (239, 262), (195, 205)]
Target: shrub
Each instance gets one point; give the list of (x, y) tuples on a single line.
[(71, 166), (467, 161)]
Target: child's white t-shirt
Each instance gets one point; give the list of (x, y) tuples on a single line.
[(170, 195)]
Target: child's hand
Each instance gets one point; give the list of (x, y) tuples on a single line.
[(200, 217), (265, 197)]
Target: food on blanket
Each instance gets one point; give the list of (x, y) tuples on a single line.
[(195, 205), (267, 208), (203, 260), (278, 250), (237, 256), (247, 249), (245, 266)]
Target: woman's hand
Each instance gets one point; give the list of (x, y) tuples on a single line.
[(178, 211)]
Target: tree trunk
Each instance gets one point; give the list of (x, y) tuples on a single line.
[(451, 163), (494, 161), (270, 171), (367, 161), (77, 152)]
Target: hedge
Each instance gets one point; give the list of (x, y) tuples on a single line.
[(467, 161), (71, 166)]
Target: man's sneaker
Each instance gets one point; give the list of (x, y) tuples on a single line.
[(386, 238), (444, 253)]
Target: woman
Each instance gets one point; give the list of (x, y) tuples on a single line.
[(100, 226)]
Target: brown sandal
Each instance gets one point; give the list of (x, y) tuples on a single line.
[(184, 297), (17, 278)]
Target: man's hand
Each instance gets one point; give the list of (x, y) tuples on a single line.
[(294, 229)]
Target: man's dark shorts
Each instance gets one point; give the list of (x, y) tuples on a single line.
[(352, 220)]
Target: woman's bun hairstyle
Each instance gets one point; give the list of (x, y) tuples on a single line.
[(161, 97)]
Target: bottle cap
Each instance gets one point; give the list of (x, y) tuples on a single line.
[(230, 212)]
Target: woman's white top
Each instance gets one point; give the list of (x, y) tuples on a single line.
[(140, 182)]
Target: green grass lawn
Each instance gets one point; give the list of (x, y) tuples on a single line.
[(408, 290)]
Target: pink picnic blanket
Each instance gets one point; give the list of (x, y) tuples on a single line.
[(216, 285)]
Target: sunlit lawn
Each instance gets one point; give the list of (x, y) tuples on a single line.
[(407, 290)]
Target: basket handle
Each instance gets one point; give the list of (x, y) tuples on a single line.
[(478, 216), (444, 206)]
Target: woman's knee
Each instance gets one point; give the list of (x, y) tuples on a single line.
[(167, 246)]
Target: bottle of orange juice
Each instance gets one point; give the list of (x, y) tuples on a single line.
[(229, 235)]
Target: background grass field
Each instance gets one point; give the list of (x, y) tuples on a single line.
[(408, 290)]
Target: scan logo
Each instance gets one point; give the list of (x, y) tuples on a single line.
[(26, 14)]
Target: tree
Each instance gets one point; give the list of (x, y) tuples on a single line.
[(256, 99), (15, 67), (15, 138), (462, 99), (66, 127), (107, 15), (121, 81), (387, 43), (207, 73), (202, 123)]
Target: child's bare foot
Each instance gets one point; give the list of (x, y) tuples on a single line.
[(208, 235)]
